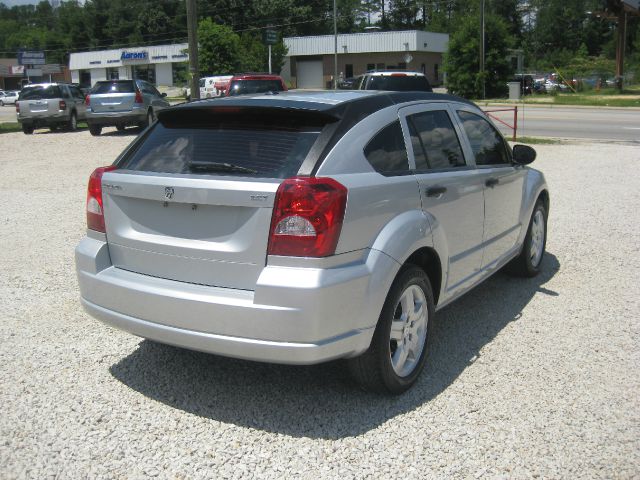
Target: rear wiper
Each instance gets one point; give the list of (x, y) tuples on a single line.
[(219, 167)]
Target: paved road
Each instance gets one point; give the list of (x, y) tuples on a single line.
[(7, 114), (568, 122), (565, 122)]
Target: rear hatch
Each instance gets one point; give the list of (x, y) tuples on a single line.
[(193, 200), (112, 96), (40, 101)]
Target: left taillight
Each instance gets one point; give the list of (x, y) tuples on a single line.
[(62, 105), (307, 217), (17, 107), (95, 211)]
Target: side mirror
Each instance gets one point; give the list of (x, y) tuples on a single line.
[(523, 154), (163, 94)]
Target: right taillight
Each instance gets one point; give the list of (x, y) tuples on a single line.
[(138, 98), (87, 100), (17, 107), (95, 211), (307, 217)]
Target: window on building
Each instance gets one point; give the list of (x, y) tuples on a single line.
[(380, 66), (113, 74), (386, 151), (434, 140), (85, 78), (145, 72), (402, 66), (436, 72), (371, 66), (348, 70)]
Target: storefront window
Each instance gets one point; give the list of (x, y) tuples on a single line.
[(85, 78), (113, 74), (145, 72), (180, 74)]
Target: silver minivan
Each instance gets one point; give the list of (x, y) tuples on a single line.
[(123, 103), (309, 226), (53, 105)]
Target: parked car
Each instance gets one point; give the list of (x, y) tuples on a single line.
[(246, 83), (309, 226), (347, 83), (52, 105), (123, 103), (8, 97), (398, 81)]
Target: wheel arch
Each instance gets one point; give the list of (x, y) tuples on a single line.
[(429, 261)]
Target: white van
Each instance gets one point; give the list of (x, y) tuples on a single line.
[(207, 85)]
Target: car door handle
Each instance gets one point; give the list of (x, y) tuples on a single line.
[(492, 182), (435, 191)]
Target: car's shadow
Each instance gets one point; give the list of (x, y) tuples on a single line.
[(321, 401)]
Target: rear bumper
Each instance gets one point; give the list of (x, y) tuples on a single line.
[(129, 117), (295, 315), (45, 121)]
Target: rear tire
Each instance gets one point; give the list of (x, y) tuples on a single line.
[(1, 103), (95, 130), (528, 263), (27, 129), (401, 341)]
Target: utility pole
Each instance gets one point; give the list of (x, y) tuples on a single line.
[(335, 46), (482, 47), (192, 32), (620, 48)]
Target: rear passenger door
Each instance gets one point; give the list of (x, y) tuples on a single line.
[(450, 188), (503, 186), (78, 99)]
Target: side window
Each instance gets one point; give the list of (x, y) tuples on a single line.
[(434, 141), (487, 144), (77, 93), (386, 151), (65, 91)]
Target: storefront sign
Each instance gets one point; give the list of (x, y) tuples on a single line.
[(31, 58), (17, 69), (34, 72), (134, 56)]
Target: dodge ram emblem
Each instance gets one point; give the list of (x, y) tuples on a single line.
[(168, 193)]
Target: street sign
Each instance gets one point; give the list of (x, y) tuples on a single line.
[(270, 37), (30, 58), (34, 72)]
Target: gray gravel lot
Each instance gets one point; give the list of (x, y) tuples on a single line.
[(535, 377)]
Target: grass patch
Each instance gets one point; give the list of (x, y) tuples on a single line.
[(596, 101), (10, 127), (537, 141)]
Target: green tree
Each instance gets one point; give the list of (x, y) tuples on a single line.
[(219, 47), (462, 62)]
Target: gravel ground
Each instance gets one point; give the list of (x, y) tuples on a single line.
[(527, 378)]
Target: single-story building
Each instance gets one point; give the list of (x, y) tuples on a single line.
[(310, 60), (161, 65), (14, 76)]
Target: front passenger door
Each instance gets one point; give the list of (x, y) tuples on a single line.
[(503, 187)]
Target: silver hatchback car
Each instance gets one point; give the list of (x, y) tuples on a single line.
[(304, 227), (123, 103)]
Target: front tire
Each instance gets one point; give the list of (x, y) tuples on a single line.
[(27, 129), (400, 344), (95, 130), (528, 263)]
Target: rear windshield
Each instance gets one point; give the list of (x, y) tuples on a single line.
[(241, 87), (254, 146), (120, 86), (40, 93), (400, 84)]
